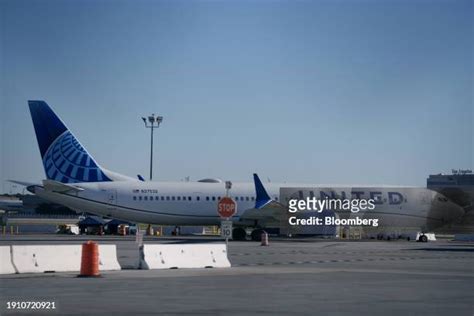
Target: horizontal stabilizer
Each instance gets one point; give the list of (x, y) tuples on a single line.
[(24, 183), (55, 186)]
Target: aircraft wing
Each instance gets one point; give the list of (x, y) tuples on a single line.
[(266, 209), (273, 211)]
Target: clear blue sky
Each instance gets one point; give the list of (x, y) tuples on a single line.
[(367, 92)]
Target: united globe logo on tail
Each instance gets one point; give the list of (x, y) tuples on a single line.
[(64, 158), (67, 161)]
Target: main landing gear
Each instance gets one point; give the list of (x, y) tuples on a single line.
[(240, 234), (256, 234)]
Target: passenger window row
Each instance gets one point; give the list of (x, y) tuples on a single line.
[(188, 198)]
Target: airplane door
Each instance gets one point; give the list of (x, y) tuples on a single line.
[(111, 199)]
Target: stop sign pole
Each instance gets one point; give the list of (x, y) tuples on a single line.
[(226, 208)]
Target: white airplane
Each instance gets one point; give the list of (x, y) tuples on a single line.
[(76, 180)]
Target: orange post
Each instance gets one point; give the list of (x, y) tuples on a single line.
[(90, 260)]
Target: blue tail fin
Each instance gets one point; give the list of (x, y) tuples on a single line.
[(262, 196), (64, 158)]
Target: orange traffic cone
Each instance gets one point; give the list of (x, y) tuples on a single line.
[(264, 239), (90, 260)]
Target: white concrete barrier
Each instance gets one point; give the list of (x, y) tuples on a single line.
[(46, 258), (172, 256), (59, 258), (6, 265), (108, 258)]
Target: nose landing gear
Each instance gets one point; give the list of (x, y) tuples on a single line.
[(240, 234)]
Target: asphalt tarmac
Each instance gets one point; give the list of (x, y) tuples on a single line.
[(291, 276)]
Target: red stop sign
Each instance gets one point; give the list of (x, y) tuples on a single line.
[(226, 207)]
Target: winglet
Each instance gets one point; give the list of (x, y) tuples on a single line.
[(262, 198)]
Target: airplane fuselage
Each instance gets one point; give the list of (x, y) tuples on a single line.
[(195, 203)]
